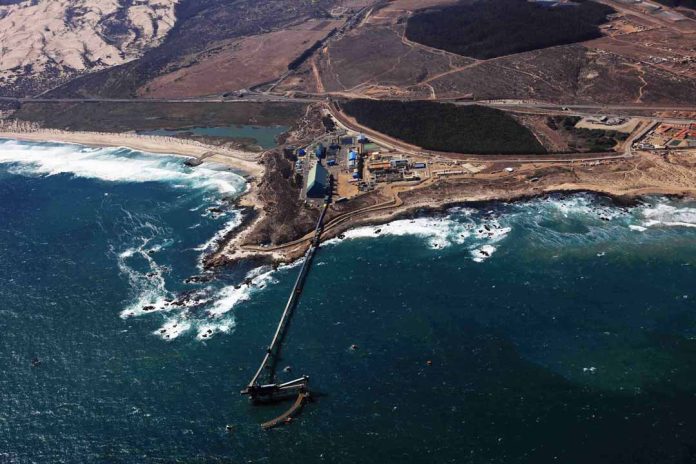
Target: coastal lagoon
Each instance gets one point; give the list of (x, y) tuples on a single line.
[(558, 329)]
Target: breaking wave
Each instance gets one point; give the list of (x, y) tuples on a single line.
[(554, 221), (665, 215), (208, 307), (462, 226), (112, 165), (210, 312)]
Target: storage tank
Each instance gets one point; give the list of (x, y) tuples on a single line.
[(320, 151)]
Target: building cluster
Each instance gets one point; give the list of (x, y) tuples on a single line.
[(354, 162), (670, 136), (387, 168)]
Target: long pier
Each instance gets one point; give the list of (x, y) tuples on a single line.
[(263, 385)]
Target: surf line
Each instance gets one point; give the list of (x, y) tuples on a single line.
[(263, 388)]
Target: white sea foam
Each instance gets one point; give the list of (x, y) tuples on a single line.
[(211, 312), (219, 235), (256, 280), (173, 328), (579, 206), (207, 331), (664, 215), (114, 165), (206, 309), (481, 254), (436, 230), (150, 286), (458, 228)]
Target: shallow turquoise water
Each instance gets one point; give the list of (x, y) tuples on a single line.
[(265, 136), (559, 329)]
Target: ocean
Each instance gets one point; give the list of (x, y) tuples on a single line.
[(560, 329)]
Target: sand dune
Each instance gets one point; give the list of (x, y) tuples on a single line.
[(61, 36)]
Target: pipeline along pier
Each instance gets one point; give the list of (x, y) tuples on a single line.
[(263, 386)]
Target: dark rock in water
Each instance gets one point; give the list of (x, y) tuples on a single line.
[(378, 231), (35, 362), (484, 253), (247, 282), (151, 252), (216, 210), (626, 201), (198, 279), (193, 162), (341, 236), (148, 308), (150, 275)]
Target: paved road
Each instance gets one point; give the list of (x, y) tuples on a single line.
[(258, 97), (252, 97)]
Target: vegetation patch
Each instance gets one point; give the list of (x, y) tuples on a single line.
[(446, 127), (491, 28), (585, 140), (679, 3), (144, 115)]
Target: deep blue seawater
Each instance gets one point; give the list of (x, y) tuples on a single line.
[(560, 330)]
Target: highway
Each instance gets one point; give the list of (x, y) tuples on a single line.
[(512, 105)]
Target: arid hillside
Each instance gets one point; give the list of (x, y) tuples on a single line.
[(208, 34), (45, 42), (635, 58)]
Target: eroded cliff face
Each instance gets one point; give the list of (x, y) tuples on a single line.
[(47, 40)]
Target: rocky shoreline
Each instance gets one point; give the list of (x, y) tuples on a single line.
[(276, 258)]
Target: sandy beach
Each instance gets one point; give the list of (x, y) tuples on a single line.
[(244, 162)]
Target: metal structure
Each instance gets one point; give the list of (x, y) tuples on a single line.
[(263, 386)]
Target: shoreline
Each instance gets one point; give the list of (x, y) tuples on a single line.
[(408, 203), (289, 254), (242, 163), (246, 163)]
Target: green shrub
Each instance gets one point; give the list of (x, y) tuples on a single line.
[(446, 127)]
